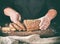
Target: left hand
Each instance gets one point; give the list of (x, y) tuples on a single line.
[(45, 22), (18, 26)]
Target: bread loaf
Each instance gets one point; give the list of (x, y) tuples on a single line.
[(32, 25)]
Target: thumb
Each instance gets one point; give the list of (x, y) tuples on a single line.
[(19, 17), (42, 20), (41, 23)]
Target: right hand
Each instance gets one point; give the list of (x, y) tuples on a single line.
[(45, 22)]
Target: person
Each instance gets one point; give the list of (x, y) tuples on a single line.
[(18, 10)]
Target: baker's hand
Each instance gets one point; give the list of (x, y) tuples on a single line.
[(45, 22), (16, 23), (18, 26), (14, 16)]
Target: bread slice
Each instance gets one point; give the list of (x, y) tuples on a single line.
[(32, 25), (7, 29)]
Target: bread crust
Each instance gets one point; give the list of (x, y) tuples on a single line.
[(32, 25)]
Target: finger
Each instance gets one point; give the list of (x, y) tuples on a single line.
[(15, 18), (20, 25), (19, 17), (44, 27), (47, 26), (42, 20), (44, 24), (41, 27), (12, 28), (10, 25), (17, 27)]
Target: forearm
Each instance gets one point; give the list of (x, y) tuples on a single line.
[(51, 14), (9, 11)]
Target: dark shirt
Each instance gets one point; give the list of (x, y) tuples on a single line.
[(29, 9)]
